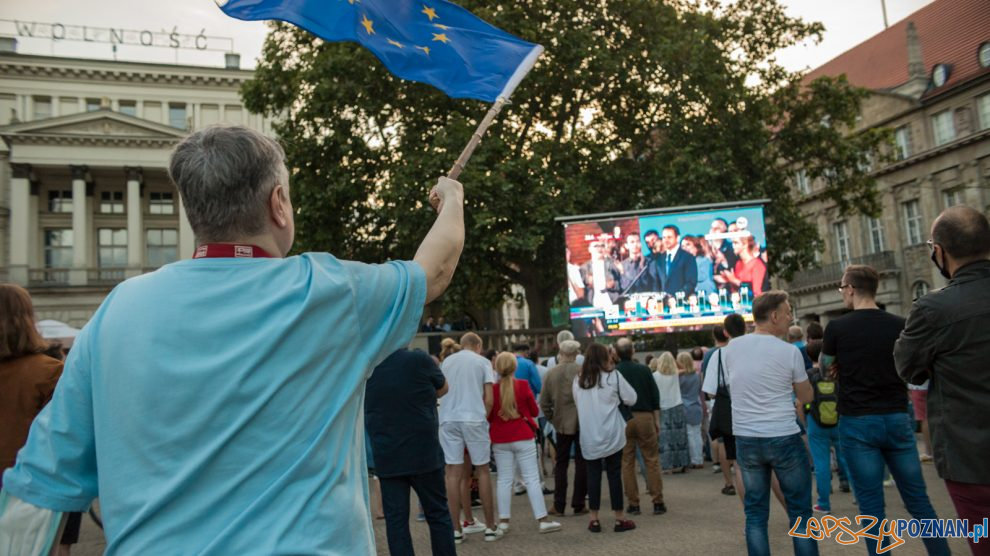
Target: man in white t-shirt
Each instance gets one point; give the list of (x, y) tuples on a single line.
[(463, 416), (766, 373)]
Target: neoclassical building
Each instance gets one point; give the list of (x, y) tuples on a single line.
[(85, 199), (929, 76)]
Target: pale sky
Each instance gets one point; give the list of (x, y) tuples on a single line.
[(847, 23)]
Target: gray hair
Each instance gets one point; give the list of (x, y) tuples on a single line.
[(224, 175)]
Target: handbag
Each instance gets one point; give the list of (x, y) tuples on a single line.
[(624, 410), (721, 422)]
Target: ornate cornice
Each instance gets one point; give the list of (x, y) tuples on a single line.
[(109, 140), (120, 73)]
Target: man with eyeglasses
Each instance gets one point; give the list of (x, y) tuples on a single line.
[(874, 426), (947, 340)]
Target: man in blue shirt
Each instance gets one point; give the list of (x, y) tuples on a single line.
[(401, 414), (214, 405), (526, 369)]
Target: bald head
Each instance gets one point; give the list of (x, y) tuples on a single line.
[(624, 348), (794, 334), (471, 341), (963, 232)]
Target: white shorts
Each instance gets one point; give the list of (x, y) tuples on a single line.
[(455, 436)]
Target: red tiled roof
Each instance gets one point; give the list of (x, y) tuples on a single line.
[(950, 32)]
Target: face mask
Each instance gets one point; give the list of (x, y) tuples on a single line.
[(940, 268)]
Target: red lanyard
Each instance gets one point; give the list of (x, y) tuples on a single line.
[(229, 250)]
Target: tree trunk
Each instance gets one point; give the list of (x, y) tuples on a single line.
[(539, 304)]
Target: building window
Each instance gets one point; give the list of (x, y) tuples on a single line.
[(943, 127), (58, 248), (902, 142), (842, 241), (983, 109), (952, 197), (875, 228), (912, 222), (161, 203), (92, 104), (801, 180), (163, 246), (42, 108), (112, 202), (920, 289), (60, 200), (177, 116), (113, 247), (128, 107)]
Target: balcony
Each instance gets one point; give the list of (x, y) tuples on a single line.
[(831, 274), (48, 277), (105, 276)]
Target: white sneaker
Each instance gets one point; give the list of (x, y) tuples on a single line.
[(493, 535), (458, 537), (473, 527), (549, 526), (503, 526)]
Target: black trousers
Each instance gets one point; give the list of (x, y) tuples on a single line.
[(432, 495), (612, 466), (564, 443)]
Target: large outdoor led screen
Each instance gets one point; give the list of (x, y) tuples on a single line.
[(661, 271)]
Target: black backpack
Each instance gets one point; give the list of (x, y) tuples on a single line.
[(825, 406)]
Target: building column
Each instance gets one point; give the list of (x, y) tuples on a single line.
[(80, 227), (135, 221), (21, 221), (187, 241)]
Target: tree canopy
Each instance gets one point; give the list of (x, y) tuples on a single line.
[(635, 104)]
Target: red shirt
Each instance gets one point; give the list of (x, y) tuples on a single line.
[(503, 431)]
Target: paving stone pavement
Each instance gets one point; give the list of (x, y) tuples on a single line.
[(700, 520)]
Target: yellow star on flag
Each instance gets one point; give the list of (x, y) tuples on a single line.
[(368, 24), (425, 49), (441, 26), (442, 37), (395, 43), (430, 12)]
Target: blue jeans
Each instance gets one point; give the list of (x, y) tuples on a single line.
[(821, 440), (786, 457), (869, 442)]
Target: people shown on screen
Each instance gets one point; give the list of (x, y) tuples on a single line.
[(575, 285), (750, 269), (721, 249), (652, 239), (677, 269), (638, 274), (703, 258), (600, 277)]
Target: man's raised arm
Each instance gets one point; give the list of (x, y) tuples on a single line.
[(441, 248)]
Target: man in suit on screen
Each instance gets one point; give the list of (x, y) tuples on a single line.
[(677, 269)]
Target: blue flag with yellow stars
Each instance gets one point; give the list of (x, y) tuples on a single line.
[(431, 41)]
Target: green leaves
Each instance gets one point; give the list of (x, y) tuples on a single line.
[(636, 104)]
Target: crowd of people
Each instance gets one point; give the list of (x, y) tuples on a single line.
[(237, 419)]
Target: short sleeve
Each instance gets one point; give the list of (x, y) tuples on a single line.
[(828, 342), (798, 371), (710, 386), (388, 300), (432, 371)]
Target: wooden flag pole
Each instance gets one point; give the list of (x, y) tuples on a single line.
[(486, 122)]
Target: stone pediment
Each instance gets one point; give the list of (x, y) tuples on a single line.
[(100, 126)]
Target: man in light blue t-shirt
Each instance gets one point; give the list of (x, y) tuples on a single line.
[(215, 405)]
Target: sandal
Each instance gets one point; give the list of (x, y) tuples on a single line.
[(729, 490), (595, 526)]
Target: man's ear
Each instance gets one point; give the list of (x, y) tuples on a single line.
[(278, 204)]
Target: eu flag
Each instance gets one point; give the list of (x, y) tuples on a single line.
[(430, 41)]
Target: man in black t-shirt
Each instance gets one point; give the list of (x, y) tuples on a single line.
[(401, 417), (874, 427)]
